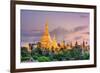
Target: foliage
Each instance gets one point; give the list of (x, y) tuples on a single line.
[(76, 53), (25, 55), (43, 59), (86, 55), (40, 55)]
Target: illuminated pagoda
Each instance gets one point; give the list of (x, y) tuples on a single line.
[(45, 40), (55, 45)]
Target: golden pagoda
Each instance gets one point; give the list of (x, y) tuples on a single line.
[(54, 44), (45, 40)]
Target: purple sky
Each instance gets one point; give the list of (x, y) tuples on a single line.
[(33, 23)]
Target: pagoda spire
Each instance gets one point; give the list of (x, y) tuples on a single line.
[(46, 32), (46, 39), (54, 42)]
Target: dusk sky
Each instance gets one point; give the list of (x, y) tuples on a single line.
[(71, 26)]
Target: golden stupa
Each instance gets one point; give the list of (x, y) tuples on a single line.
[(46, 41), (54, 43)]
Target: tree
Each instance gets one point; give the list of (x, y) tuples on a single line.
[(25, 55), (67, 54), (43, 59), (76, 52), (86, 56)]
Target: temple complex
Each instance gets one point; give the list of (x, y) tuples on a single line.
[(50, 44)]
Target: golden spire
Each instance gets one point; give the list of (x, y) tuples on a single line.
[(46, 32), (54, 43), (46, 39)]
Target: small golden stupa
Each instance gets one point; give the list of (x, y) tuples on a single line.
[(54, 43)]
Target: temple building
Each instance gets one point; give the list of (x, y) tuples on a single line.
[(55, 45), (46, 41)]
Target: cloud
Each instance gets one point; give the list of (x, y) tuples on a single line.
[(32, 33), (29, 39), (87, 33), (78, 37), (79, 28)]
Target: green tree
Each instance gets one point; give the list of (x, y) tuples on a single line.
[(43, 59), (86, 56), (76, 53), (25, 55)]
